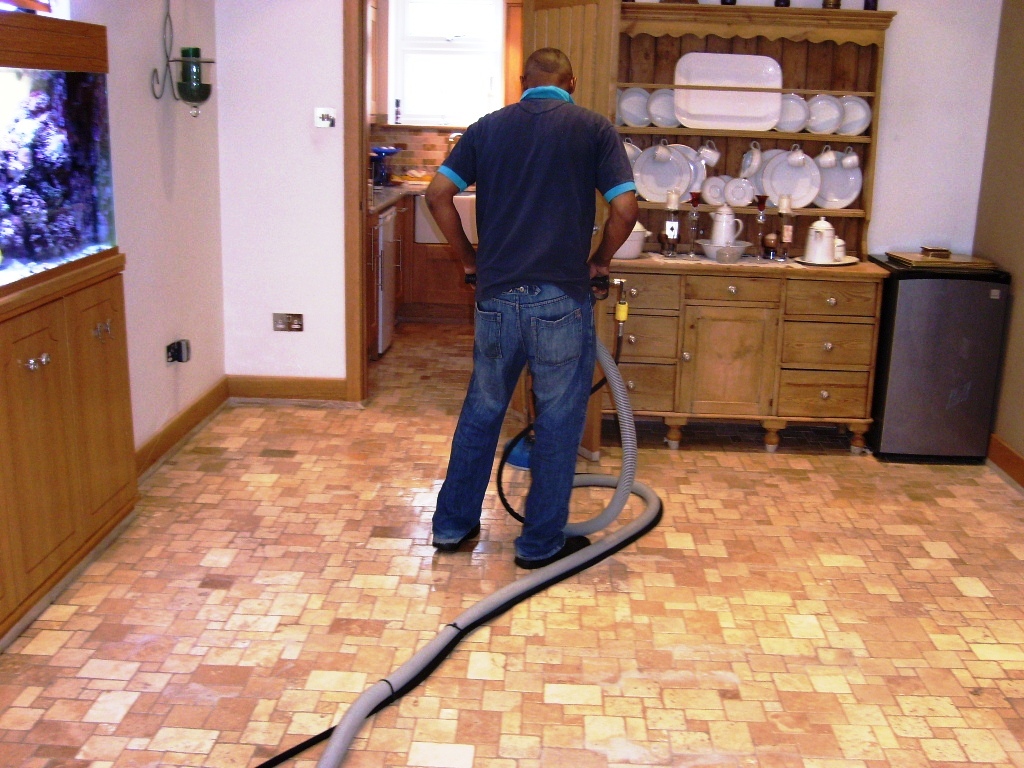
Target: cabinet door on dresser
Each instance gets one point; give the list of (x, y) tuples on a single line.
[(36, 455), (105, 445), (728, 360)]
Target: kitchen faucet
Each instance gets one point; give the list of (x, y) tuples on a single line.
[(453, 139)]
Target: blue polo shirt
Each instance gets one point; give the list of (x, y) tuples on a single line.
[(536, 165)]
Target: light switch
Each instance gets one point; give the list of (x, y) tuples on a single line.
[(324, 117)]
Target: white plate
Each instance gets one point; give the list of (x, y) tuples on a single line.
[(767, 155), (739, 192), (713, 190), (632, 150), (856, 116), (654, 177), (633, 107), (843, 262), (826, 113), (800, 182), (742, 110), (794, 113), (699, 171), (661, 107), (839, 186)]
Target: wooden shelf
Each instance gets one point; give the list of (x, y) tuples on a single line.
[(824, 138)]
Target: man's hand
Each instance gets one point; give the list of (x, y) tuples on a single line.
[(441, 202)]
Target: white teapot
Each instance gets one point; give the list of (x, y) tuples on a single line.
[(725, 227), (821, 242)]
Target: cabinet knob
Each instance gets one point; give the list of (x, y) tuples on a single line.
[(732, 289), (102, 329), (631, 339), (827, 346), (686, 357), (634, 292), (631, 385), (35, 363), (831, 301), (824, 394)]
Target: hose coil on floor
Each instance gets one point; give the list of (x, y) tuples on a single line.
[(414, 671)]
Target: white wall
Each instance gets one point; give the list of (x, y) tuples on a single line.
[(166, 207), (281, 185), (937, 83)]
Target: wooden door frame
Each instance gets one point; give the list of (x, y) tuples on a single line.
[(355, 124)]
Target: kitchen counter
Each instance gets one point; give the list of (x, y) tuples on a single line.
[(385, 197), (657, 263)]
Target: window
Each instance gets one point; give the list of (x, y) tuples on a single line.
[(445, 60)]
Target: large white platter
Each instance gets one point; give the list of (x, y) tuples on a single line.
[(740, 110)]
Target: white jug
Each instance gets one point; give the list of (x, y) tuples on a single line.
[(725, 227), (821, 242)]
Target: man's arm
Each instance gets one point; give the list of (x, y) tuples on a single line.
[(441, 202), (622, 214)]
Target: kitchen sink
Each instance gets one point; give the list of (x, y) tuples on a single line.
[(426, 228)]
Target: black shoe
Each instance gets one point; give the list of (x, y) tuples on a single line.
[(453, 546), (572, 544)]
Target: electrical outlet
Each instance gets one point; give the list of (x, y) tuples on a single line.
[(324, 117), (179, 351), (287, 321)]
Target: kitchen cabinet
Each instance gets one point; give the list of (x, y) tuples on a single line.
[(622, 45), (67, 462), (434, 286), (771, 343)]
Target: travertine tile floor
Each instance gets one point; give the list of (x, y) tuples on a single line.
[(808, 608)]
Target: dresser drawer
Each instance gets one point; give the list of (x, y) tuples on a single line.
[(648, 291), (826, 343), (650, 336), (824, 394), (830, 297), (650, 387), (726, 288)]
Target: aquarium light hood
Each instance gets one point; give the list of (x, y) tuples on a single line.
[(190, 88)]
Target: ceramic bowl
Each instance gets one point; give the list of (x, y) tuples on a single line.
[(724, 254)]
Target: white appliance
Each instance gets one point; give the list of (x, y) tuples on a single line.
[(387, 277)]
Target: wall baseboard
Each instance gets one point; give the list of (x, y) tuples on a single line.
[(263, 387), (287, 388), (177, 428), (1007, 459)]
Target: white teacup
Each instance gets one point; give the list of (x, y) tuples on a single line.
[(827, 158), (751, 160), (662, 153), (709, 154), (796, 155), (850, 159)]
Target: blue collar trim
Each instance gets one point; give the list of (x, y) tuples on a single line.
[(547, 92)]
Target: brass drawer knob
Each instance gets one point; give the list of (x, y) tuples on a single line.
[(631, 339), (634, 292), (831, 301), (732, 289), (686, 357), (824, 394), (827, 346), (631, 385)]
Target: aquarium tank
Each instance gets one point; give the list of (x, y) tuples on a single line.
[(56, 191)]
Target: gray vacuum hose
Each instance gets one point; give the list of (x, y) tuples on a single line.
[(415, 670)]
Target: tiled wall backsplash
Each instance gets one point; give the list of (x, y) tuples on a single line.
[(423, 147)]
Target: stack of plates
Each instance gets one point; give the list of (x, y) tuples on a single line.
[(794, 113), (633, 107), (826, 114), (839, 186), (856, 116), (661, 108)]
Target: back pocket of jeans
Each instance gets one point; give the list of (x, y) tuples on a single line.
[(487, 333), (557, 342)]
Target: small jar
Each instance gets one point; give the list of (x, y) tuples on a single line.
[(870, 5), (782, 3), (831, 3)]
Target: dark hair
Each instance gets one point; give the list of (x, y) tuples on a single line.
[(547, 66)]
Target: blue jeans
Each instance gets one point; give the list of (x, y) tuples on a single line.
[(553, 333)]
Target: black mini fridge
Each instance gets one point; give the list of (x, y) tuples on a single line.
[(940, 351)]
